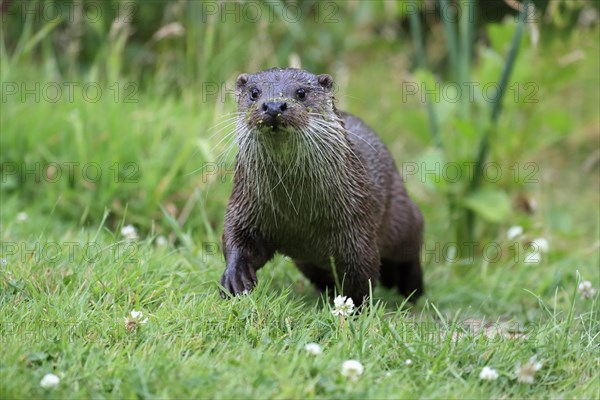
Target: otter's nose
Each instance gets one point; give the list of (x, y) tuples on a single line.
[(274, 108)]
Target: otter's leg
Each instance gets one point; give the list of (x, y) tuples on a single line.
[(357, 287), (403, 238), (406, 276), (320, 277), (242, 261), (359, 275), (389, 273), (354, 280)]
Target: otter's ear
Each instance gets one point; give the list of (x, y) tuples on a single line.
[(326, 81), (241, 81)]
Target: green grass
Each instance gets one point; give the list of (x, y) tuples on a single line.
[(64, 313), (67, 318)]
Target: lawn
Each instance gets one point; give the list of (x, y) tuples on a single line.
[(112, 201)]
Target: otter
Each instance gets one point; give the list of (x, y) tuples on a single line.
[(318, 185)]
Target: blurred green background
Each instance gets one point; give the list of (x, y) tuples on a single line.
[(150, 82)]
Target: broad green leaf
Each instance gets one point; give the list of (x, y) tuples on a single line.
[(428, 169), (491, 205)]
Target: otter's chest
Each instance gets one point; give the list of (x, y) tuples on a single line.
[(299, 210), (298, 216)]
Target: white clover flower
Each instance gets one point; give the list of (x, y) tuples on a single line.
[(488, 374), (22, 216), (514, 232), (313, 349), (161, 241), (538, 246), (49, 381), (408, 362), (129, 232), (135, 319), (541, 245), (586, 290), (352, 369), (343, 306), (525, 373)]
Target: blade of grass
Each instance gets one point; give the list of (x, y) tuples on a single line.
[(416, 33), (450, 33), (495, 113), (25, 35), (40, 35), (497, 101), (4, 58), (466, 24)]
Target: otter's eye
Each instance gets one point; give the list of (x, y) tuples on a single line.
[(254, 94), (301, 94)]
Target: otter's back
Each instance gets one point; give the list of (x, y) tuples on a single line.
[(373, 154)]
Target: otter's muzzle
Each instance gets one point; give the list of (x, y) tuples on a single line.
[(274, 108)]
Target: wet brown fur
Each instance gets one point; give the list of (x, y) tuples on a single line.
[(336, 194)]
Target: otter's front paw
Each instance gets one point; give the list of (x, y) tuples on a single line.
[(238, 280)]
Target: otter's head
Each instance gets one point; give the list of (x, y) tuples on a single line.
[(289, 133), (280, 102)]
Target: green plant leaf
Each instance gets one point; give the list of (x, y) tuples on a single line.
[(428, 170), (491, 205)]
